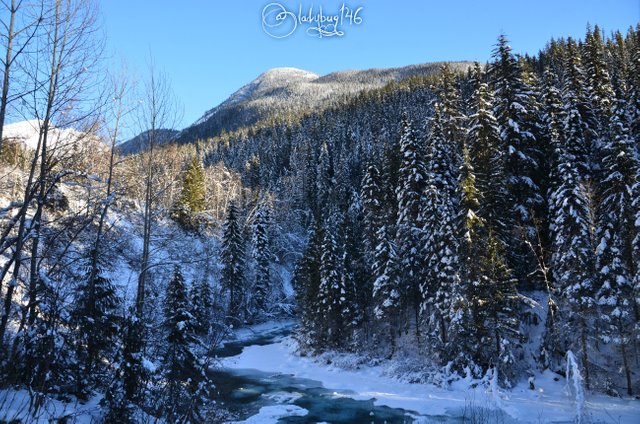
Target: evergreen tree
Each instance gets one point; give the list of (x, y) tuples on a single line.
[(573, 260), (262, 257), (233, 261), (522, 169), (497, 308), (634, 84), (553, 117), (201, 301), (574, 134), (128, 375), (386, 286), (616, 228), (576, 84), (411, 183), (332, 300), (453, 119), (429, 284), (442, 171), (181, 369), (487, 156), (355, 275), (465, 333), (46, 358), (373, 205), (598, 80), (445, 266), (192, 197), (636, 251), (439, 218), (374, 217), (306, 281), (325, 180), (130, 369), (95, 321), (485, 309)]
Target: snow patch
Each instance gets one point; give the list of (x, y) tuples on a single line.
[(272, 414), (549, 402)]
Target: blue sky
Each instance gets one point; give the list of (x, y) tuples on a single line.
[(210, 48)]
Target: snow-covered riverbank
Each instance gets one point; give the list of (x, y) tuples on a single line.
[(551, 401)]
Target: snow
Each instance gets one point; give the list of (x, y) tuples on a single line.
[(28, 132), (268, 81), (283, 397), (573, 376), (271, 414), (549, 402), (14, 405), (248, 333), (148, 365)]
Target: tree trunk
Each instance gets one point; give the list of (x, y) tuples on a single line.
[(585, 354), (625, 359), (7, 69)]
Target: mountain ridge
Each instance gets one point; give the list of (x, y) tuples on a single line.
[(288, 90), (280, 91)]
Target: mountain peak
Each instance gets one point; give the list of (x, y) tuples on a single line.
[(286, 90), (288, 72)]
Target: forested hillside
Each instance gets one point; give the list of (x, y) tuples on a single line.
[(439, 212)]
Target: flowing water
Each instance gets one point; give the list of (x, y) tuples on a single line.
[(244, 392)]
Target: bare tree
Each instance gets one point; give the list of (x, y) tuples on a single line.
[(70, 55), (61, 70), (21, 29), (118, 110), (158, 112)]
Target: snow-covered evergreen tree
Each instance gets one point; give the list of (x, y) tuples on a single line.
[(573, 260), (487, 153), (598, 79), (441, 166), (453, 120), (201, 301), (332, 294), (373, 205), (262, 256), (95, 320), (180, 366), (233, 261), (464, 332), (306, 281), (325, 178), (386, 286), (409, 193), (633, 46), (616, 230), (553, 117), (576, 83), (496, 307), (522, 168), (355, 275), (439, 215), (124, 391)]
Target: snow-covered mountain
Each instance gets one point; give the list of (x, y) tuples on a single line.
[(59, 139), (290, 90)]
